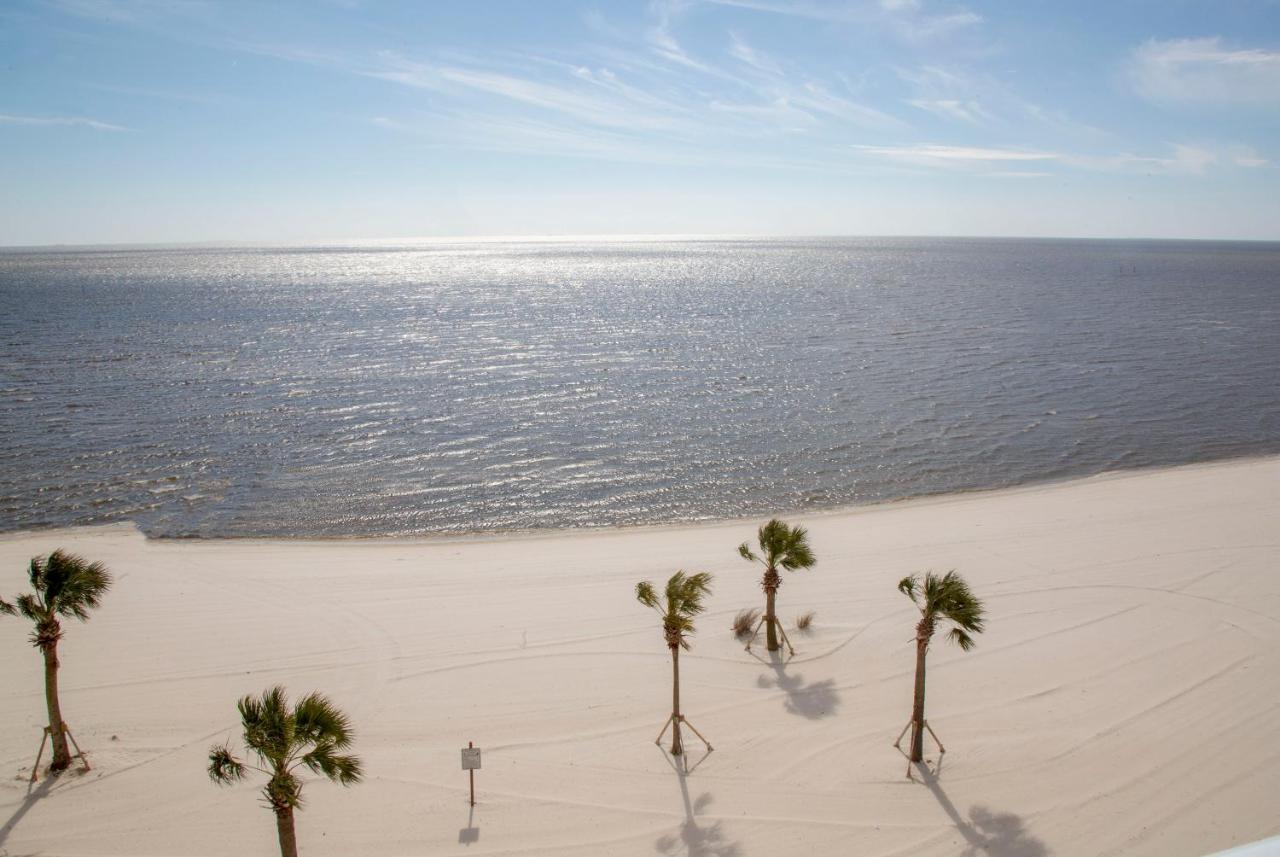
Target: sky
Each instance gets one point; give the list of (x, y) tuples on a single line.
[(151, 121)]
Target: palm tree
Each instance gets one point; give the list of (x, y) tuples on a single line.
[(781, 546), (945, 598), (63, 585), (283, 739), (677, 607)]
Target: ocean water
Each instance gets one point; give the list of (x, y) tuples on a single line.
[(440, 388)]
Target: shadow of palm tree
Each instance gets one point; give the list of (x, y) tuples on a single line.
[(33, 797), (693, 839), (998, 834), (814, 701)]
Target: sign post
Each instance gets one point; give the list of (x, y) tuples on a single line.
[(470, 762)]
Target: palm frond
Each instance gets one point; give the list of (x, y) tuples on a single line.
[(798, 553), (345, 770), (957, 603), (224, 768), (30, 607), (961, 639), (59, 567), (320, 722), (82, 586), (908, 585), (7, 609), (268, 728), (674, 594), (685, 593), (646, 595), (772, 537), (744, 551), (35, 573)]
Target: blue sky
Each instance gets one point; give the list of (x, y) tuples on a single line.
[(182, 120)]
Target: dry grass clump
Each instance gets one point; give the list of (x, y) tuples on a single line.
[(745, 622), (805, 620)]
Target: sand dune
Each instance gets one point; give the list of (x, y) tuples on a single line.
[(1123, 700)]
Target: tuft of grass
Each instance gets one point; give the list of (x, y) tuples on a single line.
[(744, 622), (805, 620)]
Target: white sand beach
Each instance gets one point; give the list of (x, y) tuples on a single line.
[(1124, 699)]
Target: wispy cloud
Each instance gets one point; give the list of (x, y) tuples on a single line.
[(774, 86), (745, 53), (953, 108), (780, 114), (69, 121), (587, 107), (505, 133), (651, 95), (919, 27), (818, 98), (662, 41), (1184, 159), (1181, 159), (1205, 71), (952, 94), (950, 157), (1247, 156), (959, 94)]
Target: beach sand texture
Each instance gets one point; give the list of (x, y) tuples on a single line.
[(1124, 699)]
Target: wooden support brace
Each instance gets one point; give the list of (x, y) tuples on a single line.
[(755, 633), (665, 724), (696, 732), (35, 769), (941, 749), (84, 761), (898, 743), (786, 639)]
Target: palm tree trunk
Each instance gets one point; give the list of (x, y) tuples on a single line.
[(677, 745), (284, 827), (770, 619), (917, 709), (61, 752)]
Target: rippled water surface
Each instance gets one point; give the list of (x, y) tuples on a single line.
[(490, 386)]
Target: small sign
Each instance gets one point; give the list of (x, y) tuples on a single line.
[(470, 758)]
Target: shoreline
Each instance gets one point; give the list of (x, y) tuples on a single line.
[(941, 497)]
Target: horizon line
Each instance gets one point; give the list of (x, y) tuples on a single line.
[(551, 238)]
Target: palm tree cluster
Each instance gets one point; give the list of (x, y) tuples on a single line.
[(940, 598), (282, 739), (313, 734)]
